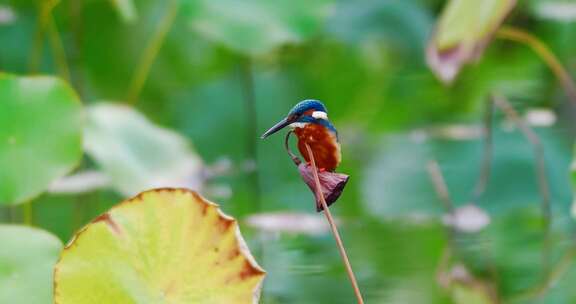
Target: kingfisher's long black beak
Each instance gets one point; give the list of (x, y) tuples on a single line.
[(277, 127)]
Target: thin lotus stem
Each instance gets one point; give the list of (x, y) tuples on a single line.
[(334, 228), (28, 213), (47, 24), (553, 276), (443, 194), (502, 103), (150, 52), (57, 48), (246, 76), (293, 156), (75, 56), (521, 36), (251, 114), (442, 267), (486, 165), (440, 185), (37, 43)]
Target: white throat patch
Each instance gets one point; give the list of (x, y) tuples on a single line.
[(320, 115), (295, 125)]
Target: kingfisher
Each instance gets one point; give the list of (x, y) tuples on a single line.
[(309, 121)]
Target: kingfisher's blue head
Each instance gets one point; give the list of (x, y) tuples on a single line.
[(307, 105), (306, 111)]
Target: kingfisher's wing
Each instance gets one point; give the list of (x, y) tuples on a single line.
[(328, 125)]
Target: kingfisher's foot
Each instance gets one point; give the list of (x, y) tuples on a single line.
[(321, 170)]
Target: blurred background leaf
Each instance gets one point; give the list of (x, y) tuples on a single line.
[(254, 27), (135, 154), (27, 258), (40, 126), (400, 165)]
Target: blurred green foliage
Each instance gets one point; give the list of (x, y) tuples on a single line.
[(136, 155), (36, 148), (198, 62), (27, 257)]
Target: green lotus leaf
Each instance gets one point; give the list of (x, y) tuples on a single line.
[(162, 246), (40, 134), (136, 154), (254, 27), (463, 32), (27, 257)]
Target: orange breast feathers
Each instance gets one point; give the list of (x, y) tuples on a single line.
[(324, 145)]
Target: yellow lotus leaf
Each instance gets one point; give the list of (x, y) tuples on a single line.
[(162, 246)]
